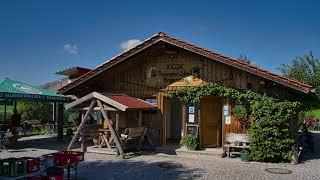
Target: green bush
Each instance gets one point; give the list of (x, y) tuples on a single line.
[(189, 140), (270, 131), (270, 137)]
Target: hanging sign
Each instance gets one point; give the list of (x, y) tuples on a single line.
[(191, 118), (192, 129), (191, 109), (192, 114), (225, 110), (228, 119)]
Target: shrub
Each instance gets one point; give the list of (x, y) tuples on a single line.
[(189, 140), (271, 140), (270, 131), (241, 114)]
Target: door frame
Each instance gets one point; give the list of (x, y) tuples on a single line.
[(220, 121)]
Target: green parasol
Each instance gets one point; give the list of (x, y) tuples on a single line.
[(15, 90)]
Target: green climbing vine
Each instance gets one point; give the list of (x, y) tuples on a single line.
[(270, 135)]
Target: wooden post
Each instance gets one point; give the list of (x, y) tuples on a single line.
[(140, 119), (83, 122), (5, 112), (60, 121), (113, 133), (117, 121), (54, 116)]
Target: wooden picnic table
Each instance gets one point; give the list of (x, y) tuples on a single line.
[(105, 135)]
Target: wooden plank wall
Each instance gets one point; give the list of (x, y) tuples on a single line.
[(146, 74)]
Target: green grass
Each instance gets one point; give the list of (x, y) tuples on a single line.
[(314, 113), (9, 108)]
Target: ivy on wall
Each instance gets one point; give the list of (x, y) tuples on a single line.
[(271, 140)]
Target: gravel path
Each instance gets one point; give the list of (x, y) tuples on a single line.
[(161, 166)]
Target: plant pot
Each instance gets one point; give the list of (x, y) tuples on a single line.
[(95, 141), (245, 156), (294, 159), (190, 148)]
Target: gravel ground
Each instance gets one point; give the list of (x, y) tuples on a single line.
[(161, 166)]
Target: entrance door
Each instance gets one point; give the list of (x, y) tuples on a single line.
[(210, 117), (175, 120)]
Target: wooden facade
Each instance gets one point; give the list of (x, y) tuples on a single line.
[(147, 74)]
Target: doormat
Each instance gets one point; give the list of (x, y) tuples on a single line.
[(278, 171)]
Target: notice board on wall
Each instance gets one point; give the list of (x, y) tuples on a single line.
[(192, 114), (192, 129)]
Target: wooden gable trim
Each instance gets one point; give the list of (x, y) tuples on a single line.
[(192, 48)]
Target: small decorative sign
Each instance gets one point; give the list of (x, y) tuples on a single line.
[(225, 110), (228, 119), (192, 129), (191, 109), (191, 118)]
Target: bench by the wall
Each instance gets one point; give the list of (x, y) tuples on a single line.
[(236, 142)]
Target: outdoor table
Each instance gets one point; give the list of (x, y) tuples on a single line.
[(105, 135)]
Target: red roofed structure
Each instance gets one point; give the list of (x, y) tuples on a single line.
[(148, 71)]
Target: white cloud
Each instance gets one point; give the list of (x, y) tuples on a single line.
[(71, 49), (129, 44)]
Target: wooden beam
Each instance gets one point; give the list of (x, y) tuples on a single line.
[(94, 95), (83, 122), (140, 119), (115, 136), (117, 121)]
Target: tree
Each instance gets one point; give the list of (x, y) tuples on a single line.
[(305, 69), (245, 59), (35, 110)]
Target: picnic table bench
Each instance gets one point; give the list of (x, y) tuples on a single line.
[(236, 142), (133, 137)]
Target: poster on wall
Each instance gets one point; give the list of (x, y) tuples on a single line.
[(225, 110), (192, 129), (191, 109), (191, 118), (228, 119), (192, 114)]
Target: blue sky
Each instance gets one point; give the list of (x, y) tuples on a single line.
[(38, 37)]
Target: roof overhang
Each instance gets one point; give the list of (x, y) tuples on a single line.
[(296, 85), (109, 103)]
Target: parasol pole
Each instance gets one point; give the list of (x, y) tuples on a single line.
[(5, 112)]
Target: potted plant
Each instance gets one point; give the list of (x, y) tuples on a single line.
[(189, 142), (245, 155)]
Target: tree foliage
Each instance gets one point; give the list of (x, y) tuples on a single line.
[(35, 110), (271, 139), (305, 69)]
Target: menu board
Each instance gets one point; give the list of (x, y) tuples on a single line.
[(192, 129)]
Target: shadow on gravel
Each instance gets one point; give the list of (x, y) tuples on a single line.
[(49, 143), (127, 169)]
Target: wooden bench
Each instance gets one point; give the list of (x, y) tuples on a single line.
[(133, 137), (236, 142)]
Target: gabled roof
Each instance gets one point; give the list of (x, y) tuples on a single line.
[(193, 48), (118, 102)]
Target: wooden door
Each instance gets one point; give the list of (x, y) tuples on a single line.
[(175, 120), (210, 113)]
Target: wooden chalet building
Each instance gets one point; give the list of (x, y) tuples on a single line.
[(161, 64)]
